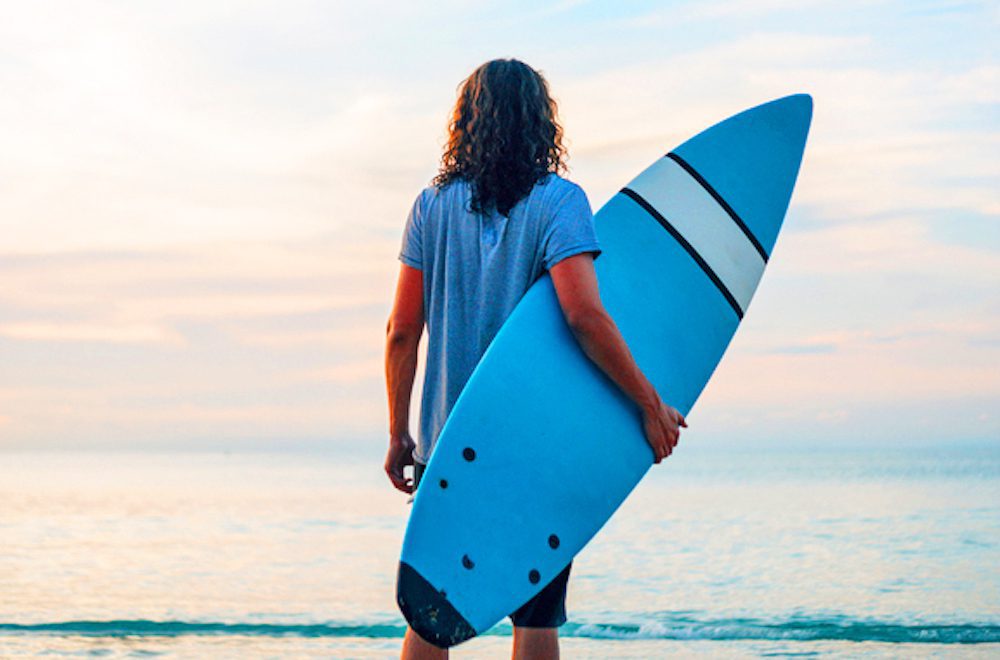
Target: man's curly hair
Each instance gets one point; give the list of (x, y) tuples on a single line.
[(504, 135)]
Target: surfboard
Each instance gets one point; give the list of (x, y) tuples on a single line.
[(541, 447)]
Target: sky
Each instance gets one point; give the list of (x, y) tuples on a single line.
[(201, 205)]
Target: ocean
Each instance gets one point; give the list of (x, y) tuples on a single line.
[(721, 552)]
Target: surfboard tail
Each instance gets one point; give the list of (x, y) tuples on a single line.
[(428, 611)]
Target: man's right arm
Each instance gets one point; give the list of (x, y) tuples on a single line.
[(576, 287)]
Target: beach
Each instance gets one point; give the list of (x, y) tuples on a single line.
[(720, 552)]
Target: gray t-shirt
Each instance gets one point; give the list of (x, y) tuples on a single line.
[(475, 270)]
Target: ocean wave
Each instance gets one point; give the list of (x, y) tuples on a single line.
[(660, 627), (794, 630)]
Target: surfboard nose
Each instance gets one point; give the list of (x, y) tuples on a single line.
[(428, 611), (752, 161)]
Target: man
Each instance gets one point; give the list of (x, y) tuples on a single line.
[(496, 217)]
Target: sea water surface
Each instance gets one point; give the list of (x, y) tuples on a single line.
[(721, 552)]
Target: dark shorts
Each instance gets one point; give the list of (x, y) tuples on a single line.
[(548, 608)]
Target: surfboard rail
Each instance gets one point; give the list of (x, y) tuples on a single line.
[(685, 245)]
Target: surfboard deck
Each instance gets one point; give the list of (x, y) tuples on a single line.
[(541, 448)]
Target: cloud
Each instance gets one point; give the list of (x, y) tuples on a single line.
[(730, 10), (218, 341), (883, 140), (122, 333), (805, 348), (120, 136), (203, 203), (348, 373), (221, 281)]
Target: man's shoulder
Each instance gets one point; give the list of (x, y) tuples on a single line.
[(558, 183), (452, 192), (558, 191)]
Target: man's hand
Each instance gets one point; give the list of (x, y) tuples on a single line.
[(662, 428), (400, 455)]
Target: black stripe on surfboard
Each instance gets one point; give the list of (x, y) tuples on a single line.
[(646, 206), (723, 203)]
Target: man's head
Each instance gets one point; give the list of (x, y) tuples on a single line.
[(504, 135)]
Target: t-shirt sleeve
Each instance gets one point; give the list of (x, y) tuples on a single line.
[(412, 251), (571, 229)]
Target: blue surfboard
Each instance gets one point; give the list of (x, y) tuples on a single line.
[(541, 447)]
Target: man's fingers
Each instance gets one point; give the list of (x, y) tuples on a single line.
[(400, 455), (400, 483), (399, 461), (661, 451), (395, 472), (683, 421)]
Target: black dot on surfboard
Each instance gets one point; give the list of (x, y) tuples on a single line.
[(468, 563), (534, 576), (443, 483), (469, 454), (553, 541)]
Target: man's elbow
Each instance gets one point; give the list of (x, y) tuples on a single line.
[(402, 334), (585, 321)]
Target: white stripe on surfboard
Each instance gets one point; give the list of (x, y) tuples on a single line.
[(703, 223)]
